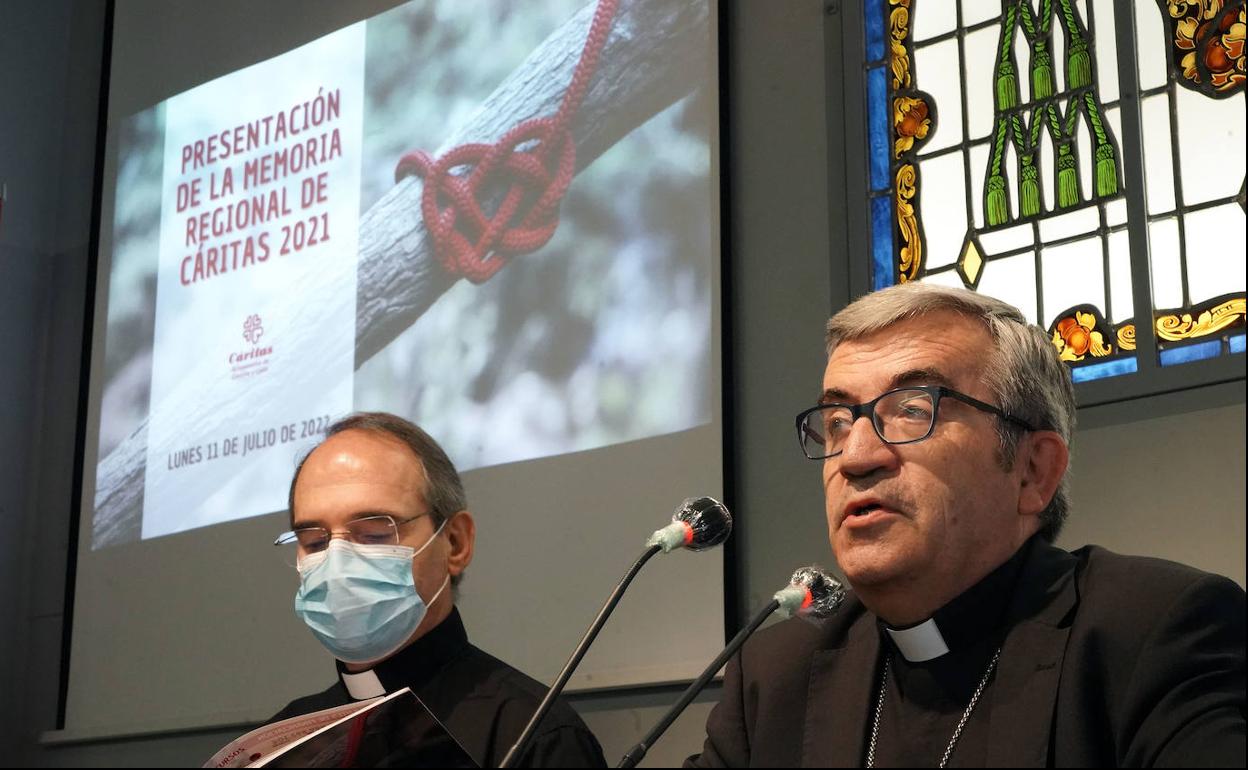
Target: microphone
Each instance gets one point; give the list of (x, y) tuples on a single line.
[(811, 593), (697, 524)]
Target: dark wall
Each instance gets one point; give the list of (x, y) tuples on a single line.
[(787, 260), (50, 52), (49, 79)]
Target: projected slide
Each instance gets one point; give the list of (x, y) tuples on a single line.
[(498, 224)]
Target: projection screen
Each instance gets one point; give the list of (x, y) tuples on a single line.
[(481, 216)]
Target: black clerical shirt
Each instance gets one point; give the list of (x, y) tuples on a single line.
[(925, 701), (1108, 661), (482, 701)]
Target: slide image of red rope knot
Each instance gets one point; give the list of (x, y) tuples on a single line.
[(469, 242), (531, 167)]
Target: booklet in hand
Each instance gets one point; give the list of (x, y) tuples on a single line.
[(395, 731)]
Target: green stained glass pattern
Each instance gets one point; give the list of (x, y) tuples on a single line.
[(1033, 99), (1010, 171), (1019, 188)]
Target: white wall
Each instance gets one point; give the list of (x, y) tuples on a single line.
[(1163, 477)]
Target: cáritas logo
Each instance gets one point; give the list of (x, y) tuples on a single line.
[(253, 329), (248, 363)]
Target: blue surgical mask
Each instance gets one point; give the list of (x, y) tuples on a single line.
[(361, 601)]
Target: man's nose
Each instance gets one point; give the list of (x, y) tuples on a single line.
[(865, 452)]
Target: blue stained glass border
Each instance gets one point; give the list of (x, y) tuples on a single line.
[(1237, 343), (877, 128), (873, 13), (881, 242), (1189, 353), (1103, 370)]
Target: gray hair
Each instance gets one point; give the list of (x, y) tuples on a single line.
[(1024, 373), (444, 492)]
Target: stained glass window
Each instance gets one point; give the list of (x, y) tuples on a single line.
[(1001, 135)]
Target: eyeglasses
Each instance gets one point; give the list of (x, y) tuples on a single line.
[(900, 416), (366, 530)]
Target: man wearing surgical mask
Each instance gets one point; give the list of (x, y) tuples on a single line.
[(380, 536)]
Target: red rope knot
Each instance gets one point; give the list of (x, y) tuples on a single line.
[(471, 242)]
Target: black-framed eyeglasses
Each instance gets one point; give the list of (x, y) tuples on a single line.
[(900, 416), (381, 529)]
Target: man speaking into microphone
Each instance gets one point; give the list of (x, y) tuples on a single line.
[(380, 534), (969, 639)]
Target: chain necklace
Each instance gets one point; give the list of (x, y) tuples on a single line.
[(957, 733)]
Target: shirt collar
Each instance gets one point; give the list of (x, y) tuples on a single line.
[(414, 665), (920, 643), (972, 615)]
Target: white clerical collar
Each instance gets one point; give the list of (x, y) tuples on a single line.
[(363, 685), (919, 643)]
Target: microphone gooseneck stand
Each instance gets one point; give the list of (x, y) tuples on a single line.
[(522, 742), (638, 752), (811, 593)]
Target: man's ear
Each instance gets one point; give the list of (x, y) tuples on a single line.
[(1042, 459), (461, 534)]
